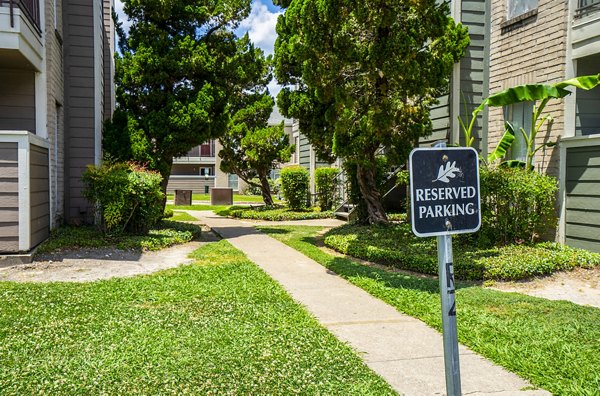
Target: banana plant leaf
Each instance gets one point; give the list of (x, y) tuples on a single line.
[(502, 148), (532, 92)]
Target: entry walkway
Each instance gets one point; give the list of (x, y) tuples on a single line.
[(403, 350)]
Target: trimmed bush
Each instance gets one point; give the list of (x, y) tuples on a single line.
[(128, 196), (326, 184), (397, 247), (517, 206), (295, 182), (270, 213)]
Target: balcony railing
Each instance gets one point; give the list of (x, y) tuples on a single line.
[(585, 7), (29, 8)]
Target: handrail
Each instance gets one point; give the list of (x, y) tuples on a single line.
[(30, 8), (585, 7)]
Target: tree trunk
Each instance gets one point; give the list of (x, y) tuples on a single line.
[(165, 172), (370, 193), (265, 190)]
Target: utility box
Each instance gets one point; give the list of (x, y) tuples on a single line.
[(221, 196), (183, 197)]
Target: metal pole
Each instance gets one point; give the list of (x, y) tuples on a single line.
[(446, 275)]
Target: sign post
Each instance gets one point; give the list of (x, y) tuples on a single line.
[(445, 200)]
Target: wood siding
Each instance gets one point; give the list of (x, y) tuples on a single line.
[(80, 107), (17, 100), (39, 195), (474, 69), (440, 122), (304, 154), (9, 198), (196, 184), (583, 198)]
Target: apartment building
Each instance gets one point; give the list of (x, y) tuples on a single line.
[(200, 171), (56, 90)]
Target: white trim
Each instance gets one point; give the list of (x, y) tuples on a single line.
[(98, 17), (199, 177), (455, 12)]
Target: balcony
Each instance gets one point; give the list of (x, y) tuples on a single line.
[(586, 7), (21, 34), (203, 154)]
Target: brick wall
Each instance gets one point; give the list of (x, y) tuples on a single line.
[(534, 52)]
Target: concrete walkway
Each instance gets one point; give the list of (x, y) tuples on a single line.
[(404, 351)]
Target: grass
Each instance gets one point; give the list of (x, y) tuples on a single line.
[(195, 207), (553, 344), (182, 216), (166, 234), (218, 326), (236, 197), (395, 245), (276, 213)]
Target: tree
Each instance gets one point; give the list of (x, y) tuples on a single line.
[(250, 147), (364, 75), (179, 67)]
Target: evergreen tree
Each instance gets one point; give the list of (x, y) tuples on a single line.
[(362, 75)]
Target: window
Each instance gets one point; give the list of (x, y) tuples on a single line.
[(519, 115), (514, 8), (206, 171), (232, 181)]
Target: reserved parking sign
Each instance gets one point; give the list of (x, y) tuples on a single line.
[(444, 191)]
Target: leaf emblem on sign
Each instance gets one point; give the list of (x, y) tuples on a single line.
[(448, 172)]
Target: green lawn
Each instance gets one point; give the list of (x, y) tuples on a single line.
[(219, 326), (182, 216), (195, 207), (554, 344)]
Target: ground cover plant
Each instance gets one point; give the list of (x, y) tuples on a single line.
[(274, 213), (396, 246), (553, 344), (194, 207), (218, 326), (165, 234)]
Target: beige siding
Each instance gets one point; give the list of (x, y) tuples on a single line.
[(39, 195), (55, 108), (17, 100), (109, 49), (9, 198), (583, 198), (196, 184), (534, 52)]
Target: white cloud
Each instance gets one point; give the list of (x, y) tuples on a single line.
[(121, 14), (260, 26)]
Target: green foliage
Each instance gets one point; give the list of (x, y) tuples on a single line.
[(163, 235), (532, 337), (527, 93), (364, 75), (178, 68), (396, 246), (218, 326), (295, 182), (128, 196), (274, 213), (251, 148), (516, 206), (253, 191), (326, 185)]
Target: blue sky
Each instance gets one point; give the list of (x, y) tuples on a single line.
[(260, 26)]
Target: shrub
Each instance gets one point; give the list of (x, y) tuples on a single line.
[(295, 182), (255, 190), (396, 246), (274, 213), (516, 206), (128, 196), (326, 184)]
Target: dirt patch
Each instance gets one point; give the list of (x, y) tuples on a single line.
[(581, 286), (84, 265)]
